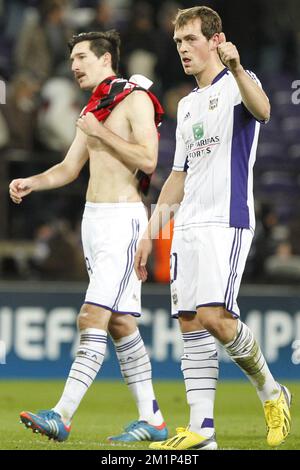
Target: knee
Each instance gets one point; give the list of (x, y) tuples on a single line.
[(211, 322), (218, 324), (83, 319), (213, 326), (91, 316), (121, 325), (188, 322)]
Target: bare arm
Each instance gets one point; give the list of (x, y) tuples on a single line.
[(168, 203), (58, 175), (140, 112), (253, 97)]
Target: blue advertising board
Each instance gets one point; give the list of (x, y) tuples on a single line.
[(38, 337)]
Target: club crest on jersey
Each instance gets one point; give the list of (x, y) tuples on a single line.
[(213, 103), (198, 130)]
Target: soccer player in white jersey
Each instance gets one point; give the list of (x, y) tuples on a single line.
[(211, 183), (113, 221)]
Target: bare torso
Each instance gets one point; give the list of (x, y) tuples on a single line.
[(110, 179)]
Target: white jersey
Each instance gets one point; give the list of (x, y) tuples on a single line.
[(216, 142)]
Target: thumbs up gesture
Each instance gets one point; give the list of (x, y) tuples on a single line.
[(228, 54)]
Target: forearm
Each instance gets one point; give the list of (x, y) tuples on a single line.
[(130, 154), (253, 97), (57, 176), (167, 205)]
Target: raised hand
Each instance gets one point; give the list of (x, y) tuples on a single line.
[(90, 125), (228, 54)]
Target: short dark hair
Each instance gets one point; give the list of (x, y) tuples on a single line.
[(101, 42), (211, 22)]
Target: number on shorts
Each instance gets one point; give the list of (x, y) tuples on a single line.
[(173, 267), (88, 265)]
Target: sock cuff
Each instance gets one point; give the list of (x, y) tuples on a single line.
[(93, 335), (243, 343), (195, 335), (240, 326), (127, 339), (133, 346), (93, 331)]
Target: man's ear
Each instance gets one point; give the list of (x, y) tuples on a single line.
[(107, 58), (216, 40)]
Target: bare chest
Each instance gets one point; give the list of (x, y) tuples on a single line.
[(118, 123)]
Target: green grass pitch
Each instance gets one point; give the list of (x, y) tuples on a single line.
[(108, 406)]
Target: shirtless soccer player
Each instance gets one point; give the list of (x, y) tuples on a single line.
[(117, 133)]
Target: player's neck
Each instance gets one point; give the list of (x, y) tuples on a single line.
[(104, 76), (206, 76)]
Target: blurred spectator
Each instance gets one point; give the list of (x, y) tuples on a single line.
[(283, 266), (4, 133), (18, 116), (140, 42), (42, 43), (248, 35), (262, 245), (58, 255), (169, 68), (104, 17), (11, 18), (59, 99), (280, 34), (168, 128), (13, 12), (294, 227)]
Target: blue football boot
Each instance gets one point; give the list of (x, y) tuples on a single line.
[(46, 422), (142, 431)]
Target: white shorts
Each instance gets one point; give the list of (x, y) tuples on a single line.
[(110, 233), (207, 265)]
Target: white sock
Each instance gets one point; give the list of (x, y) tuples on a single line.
[(200, 368), (89, 358), (246, 353), (136, 370)]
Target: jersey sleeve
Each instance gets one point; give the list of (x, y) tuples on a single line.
[(254, 78), (237, 94), (180, 157)]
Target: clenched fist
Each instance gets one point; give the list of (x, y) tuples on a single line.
[(20, 188), (229, 54), (89, 124)]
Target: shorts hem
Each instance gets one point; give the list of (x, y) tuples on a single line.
[(212, 304), (134, 314), (235, 315), (114, 205), (219, 304), (180, 312)]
